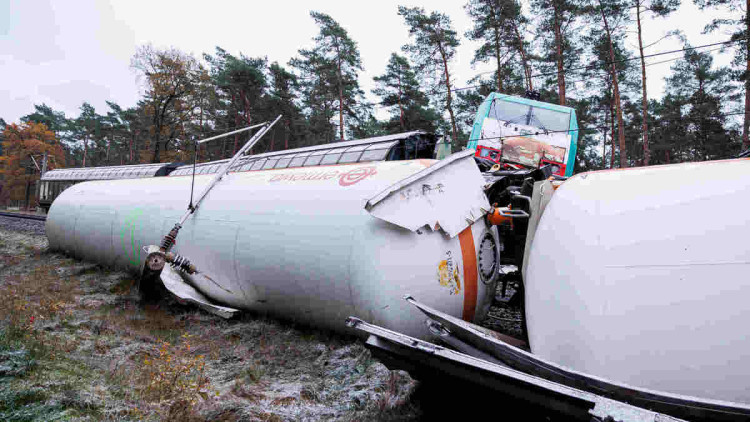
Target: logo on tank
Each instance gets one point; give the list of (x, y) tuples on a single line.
[(448, 274), (346, 178), (355, 175)]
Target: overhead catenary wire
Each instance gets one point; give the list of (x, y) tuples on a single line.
[(661, 53), (603, 72), (606, 63)]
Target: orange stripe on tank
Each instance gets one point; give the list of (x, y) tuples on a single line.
[(469, 255)]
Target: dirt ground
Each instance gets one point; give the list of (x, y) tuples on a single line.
[(77, 343)]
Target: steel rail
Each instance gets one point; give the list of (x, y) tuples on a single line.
[(25, 216)]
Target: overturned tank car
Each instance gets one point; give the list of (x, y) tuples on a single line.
[(315, 234)]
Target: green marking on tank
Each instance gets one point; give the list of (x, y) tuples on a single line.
[(130, 224)]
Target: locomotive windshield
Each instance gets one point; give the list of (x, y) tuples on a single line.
[(528, 115), (514, 131)]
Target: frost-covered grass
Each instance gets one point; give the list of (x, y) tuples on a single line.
[(77, 343)]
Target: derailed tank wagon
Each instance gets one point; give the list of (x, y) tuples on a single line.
[(288, 233)]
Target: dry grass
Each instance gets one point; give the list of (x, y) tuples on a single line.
[(77, 343)]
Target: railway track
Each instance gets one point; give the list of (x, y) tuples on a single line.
[(25, 216)]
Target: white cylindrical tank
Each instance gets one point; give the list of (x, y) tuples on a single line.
[(641, 276), (295, 243)]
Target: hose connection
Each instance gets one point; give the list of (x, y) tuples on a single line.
[(180, 263), (170, 239)]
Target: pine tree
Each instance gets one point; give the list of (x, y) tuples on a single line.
[(122, 124), (432, 49), (701, 89), (587, 157), (740, 30), (284, 86), (601, 82), (318, 93), (242, 82), (669, 130), (87, 126), (469, 100), (557, 17), (498, 24), (52, 119), (330, 71), (613, 15), (399, 91), (656, 8), (205, 105)]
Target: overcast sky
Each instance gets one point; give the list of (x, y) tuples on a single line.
[(66, 52)]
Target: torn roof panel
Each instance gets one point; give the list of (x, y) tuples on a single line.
[(448, 196)]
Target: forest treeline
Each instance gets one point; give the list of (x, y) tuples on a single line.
[(574, 52)]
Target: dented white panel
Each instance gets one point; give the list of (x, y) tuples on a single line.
[(447, 196)]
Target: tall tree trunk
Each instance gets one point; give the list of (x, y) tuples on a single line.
[(746, 124), (497, 58), (157, 146), (246, 105), (496, 31), (559, 48), (236, 124), (341, 92), (646, 152), (158, 119), (136, 152), (612, 133), (620, 126), (106, 158), (85, 149), (449, 97), (604, 142), (200, 123), (286, 134), (246, 108), (400, 106), (524, 61)]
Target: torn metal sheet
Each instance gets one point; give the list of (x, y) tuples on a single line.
[(423, 359), (186, 293), (446, 196), (433, 363), (691, 408)]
